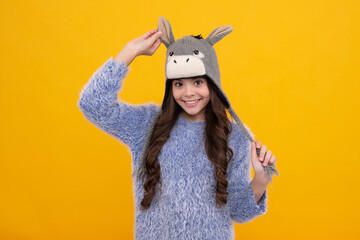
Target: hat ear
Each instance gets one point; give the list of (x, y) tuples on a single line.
[(218, 34), (164, 26)]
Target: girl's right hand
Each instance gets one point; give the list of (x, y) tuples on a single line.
[(146, 44)]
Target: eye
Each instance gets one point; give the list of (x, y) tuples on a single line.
[(171, 53), (177, 84), (198, 82), (198, 54)]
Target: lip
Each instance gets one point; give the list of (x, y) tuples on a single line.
[(192, 104)]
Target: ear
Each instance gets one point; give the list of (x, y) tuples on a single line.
[(218, 34), (164, 26)]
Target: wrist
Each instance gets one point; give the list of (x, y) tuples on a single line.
[(261, 179), (258, 188), (127, 55)]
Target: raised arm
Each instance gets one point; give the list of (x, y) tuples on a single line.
[(99, 98)]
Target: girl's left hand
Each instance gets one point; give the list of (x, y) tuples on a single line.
[(258, 163)]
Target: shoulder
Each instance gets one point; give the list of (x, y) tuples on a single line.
[(238, 138), (241, 147)]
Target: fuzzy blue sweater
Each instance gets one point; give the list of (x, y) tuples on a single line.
[(186, 208)]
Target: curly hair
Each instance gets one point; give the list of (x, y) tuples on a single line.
[(217, 131)]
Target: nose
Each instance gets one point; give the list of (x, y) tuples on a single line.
[(187, 60), (188, 90)]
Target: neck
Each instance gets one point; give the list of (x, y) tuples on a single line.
[(190, 118)]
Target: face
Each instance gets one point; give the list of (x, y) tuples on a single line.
[(192, 94)]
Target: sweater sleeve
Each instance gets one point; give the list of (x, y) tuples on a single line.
[(100, 105), (241, 198)]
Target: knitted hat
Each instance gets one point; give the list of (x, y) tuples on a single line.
[(193, 57)]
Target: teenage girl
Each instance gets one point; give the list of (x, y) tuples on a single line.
[(197, 164)]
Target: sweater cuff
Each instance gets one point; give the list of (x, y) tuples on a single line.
[(112, 62), (115, 69), (109, 76), (247, 207), (244, 207), (261, 207)]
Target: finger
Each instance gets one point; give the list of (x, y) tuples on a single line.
[(157, 43), (149, 33), (272, 160), (154, 37), (155, 46), (262, 152), (253, 151), (267, 158), (258, 144)]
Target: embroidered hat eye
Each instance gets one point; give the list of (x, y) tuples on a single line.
[(171, 53), (198, 54)]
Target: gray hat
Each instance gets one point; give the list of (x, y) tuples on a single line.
[(193, 57)]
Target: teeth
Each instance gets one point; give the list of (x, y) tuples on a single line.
[(191, 102)]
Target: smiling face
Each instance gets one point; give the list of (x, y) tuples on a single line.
[(192, 95)]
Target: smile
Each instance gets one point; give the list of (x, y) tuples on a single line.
[(192, 102)]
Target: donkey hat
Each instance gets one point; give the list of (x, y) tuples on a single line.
[(190, 57)]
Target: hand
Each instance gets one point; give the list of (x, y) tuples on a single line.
[(258, 163), (146, 44)]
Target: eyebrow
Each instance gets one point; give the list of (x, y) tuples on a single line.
[(192, 79)]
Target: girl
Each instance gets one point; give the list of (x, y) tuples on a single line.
[(191, 163)]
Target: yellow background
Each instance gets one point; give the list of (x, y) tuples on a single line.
[(289, 68)]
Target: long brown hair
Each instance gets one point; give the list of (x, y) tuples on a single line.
[(218, 128)]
